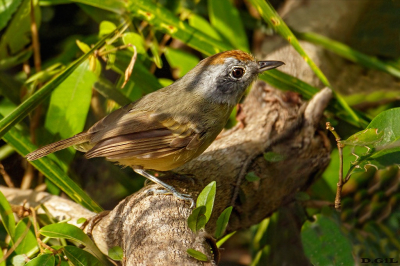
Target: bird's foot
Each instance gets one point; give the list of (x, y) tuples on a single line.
[(181, 196)]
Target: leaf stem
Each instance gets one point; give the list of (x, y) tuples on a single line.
[(341, 182)]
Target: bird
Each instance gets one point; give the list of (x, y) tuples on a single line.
[(173, 125)]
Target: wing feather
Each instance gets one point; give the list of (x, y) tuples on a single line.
[(141, 135)]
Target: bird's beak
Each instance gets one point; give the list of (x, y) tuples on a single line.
[(266, 65)]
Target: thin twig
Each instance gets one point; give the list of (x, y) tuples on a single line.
[(37, 234), (35, 40), (30, 171), (6, 177), (341, 182), (242, 174)]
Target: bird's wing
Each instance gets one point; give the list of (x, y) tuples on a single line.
[(141, 134)]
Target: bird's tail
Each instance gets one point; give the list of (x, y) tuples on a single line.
[(59, 145)]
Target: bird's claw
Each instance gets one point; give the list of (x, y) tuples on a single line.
[(181, 196)]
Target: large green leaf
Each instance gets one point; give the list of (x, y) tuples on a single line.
[(325, 244), (79, 257), (27, 106), (16, 35), (381, 140), (25, 233), (7, 216), (43, 260), (226, 19), (7, 8), (71, 232), (69, 106)]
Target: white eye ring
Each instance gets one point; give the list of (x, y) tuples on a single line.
[(237, 72)]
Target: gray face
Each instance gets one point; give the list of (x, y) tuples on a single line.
[(223, 83), (234, 78)]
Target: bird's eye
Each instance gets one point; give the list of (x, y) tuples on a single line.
[(237, 72)]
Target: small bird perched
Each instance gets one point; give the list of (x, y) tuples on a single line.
[(173, 125)]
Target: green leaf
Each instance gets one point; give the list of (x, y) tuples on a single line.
[(69, 106), (197, 220), (181, 60), (83, 46), (20, 141), (206, 198), (80, 257), (43, 260), (81, 220), (155, 51), (27, 235), (368, 137), (7, 216), (105, 88), (15, 60), (224, 239), (5, 151), (325, 244), (116, 6), (225, 18), (197, 254), (273, 157), (17, 34), (116, 253), (3, 262), (18, 260), (165, 82), (136, 40), (201, 24), (222, 222), (7, 8), (106, 27), (382, 137), (67, 231), (27, 106), (251, 177)]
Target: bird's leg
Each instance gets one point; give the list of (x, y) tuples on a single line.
[(168, 189)]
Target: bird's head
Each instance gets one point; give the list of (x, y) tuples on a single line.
[(224, 77)]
